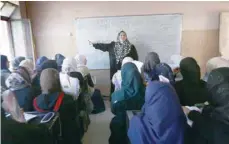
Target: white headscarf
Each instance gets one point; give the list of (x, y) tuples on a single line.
[(138, 65), (69, 65), (126, 60), (11, 106), (29, 65), (81, 61), (216, 62)]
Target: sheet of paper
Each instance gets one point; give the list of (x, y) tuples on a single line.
[(29, 116), (192, 108)]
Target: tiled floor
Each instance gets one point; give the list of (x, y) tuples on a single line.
[(99, 132)]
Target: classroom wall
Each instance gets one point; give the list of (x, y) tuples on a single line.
[(54, 28)]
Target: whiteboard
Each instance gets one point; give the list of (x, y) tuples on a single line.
[(158, 33)]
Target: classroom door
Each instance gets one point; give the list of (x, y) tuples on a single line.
[(22, 38)]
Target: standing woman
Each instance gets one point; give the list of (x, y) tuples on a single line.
[(117, 52)]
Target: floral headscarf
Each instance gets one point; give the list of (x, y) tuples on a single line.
[(121, 49)]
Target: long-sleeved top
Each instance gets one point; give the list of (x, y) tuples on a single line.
[(207, 129), (110, 48)]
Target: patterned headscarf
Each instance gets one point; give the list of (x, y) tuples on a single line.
[(69, 65), (16, 62), (11, 106), (121, 49), (16, 82)]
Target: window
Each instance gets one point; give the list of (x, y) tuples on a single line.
[(5, 41)]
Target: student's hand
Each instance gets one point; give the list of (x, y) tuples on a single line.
[(186, 110)]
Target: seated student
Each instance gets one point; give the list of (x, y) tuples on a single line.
[(36, 80), (5, 72), (116, 78), (212, 125), (83, 103), (161, 120), (53, 99), (161, 72), (131, 94), (213, 63), (38, 69), (96, 96), (28, 65), (15, 130), (82, 68), (191, 90), (70, 85), (19, 82), (59, 60), (129, 97), (39, 63), (16, 61)]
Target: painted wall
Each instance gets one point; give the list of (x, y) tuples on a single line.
[(54, 29)]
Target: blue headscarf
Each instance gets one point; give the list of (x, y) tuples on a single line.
[(4, 61), (49, 64), (40, 61), (16, 62), (162, 120), (59, 60), (161, 69)]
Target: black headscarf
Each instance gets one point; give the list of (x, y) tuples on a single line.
[(151, 60), (191, 89), (190, 70), (218, 86)]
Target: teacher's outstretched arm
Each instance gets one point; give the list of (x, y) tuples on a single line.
[(102, 46)]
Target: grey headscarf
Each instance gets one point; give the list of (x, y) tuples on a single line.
[(218, 86), (49, 81), (151, 60), (121, 49)]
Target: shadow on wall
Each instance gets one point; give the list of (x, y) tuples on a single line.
[(102, 80)]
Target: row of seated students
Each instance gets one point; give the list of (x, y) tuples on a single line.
[(161, 102), (63, 85), (149, 87)]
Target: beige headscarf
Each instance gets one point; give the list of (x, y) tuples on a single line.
[(81, 61), (49, 81), (69, 65), (216, 62), (11, 106), (29, 65)]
